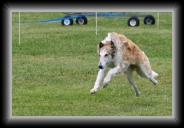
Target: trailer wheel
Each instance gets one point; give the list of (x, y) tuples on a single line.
[(67, 21), (133, 21), (81, 20), (149, 20)]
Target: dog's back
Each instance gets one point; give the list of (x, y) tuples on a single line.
[(129, 50)]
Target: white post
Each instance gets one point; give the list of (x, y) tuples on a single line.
[(19, 28), (96, 23), (158, 20)]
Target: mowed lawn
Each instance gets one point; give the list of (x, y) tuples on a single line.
[(54, 67)]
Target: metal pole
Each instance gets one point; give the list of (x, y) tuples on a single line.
[(158, 20), (19, 28), (96, 23)]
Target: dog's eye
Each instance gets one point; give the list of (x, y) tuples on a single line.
[(106, 54)]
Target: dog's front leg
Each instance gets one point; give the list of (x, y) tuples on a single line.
[(100, 76), (112, 72)]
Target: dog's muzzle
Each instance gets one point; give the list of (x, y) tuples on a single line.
[(100, 66)]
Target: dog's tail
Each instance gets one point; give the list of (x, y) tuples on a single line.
[(154, 74)]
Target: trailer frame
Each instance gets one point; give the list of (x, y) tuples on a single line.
[(81, 18)]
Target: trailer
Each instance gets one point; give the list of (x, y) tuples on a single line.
[(81, 18)]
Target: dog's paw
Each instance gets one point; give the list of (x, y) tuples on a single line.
[(155, 82), (94, 90), (138, 94), (105, 85)]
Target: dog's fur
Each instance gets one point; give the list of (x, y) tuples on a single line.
[(122, 55)]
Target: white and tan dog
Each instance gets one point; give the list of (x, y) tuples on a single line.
[(122, 55)]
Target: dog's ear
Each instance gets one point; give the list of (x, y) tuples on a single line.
[(113, 49), (101, 45), (112, 45)]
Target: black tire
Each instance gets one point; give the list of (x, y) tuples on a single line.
[(149, 20), (133, 21), (81, 20), (67, 21)]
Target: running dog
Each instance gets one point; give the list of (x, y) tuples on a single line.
[(120, 54)]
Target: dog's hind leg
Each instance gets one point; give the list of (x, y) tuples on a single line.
[(131, 81), (149, 75)]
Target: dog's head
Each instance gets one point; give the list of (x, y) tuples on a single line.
[(106, 50)]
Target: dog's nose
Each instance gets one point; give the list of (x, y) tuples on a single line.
[(100, 66)]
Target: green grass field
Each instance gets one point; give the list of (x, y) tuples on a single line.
[(54, 67)]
